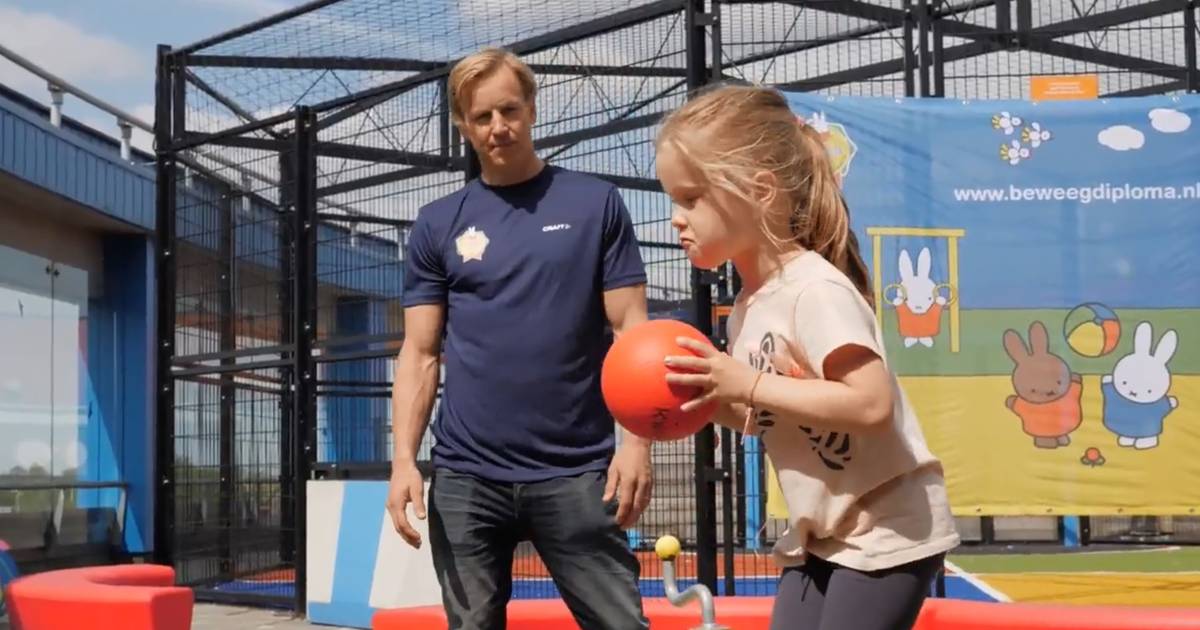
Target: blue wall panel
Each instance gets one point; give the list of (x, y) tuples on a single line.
[(63, 161), (354, 428), (117, 368), (75, 165)]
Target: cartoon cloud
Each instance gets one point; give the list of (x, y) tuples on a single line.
[(1122, 138), (1169, 120)]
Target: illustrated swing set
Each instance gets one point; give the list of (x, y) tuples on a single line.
[(950, 286)]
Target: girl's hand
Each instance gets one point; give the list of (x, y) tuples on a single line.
[(718, 375)]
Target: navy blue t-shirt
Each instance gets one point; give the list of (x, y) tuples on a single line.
[(522, 270)]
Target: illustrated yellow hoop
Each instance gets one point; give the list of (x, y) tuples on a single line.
[(951, 293)]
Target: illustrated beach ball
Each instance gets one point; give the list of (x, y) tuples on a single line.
[(1092, 330)]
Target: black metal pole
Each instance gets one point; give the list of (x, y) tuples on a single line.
[(1024, 23), (1004, 24), (923, 56), (714, 38), (305, 324), (910, 58), (1189, 45), (706, 498), (164, 386), (445, 123), (939, 57), (287, 337), (727, 519), (760, 535), (740, 493), (228, 405), (987, 530)]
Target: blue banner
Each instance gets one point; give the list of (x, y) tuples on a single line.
[(1037, 269)]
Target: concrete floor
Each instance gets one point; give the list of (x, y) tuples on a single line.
[(214, 617), (220, 617)]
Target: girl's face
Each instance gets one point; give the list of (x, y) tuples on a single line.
[(714, 225)]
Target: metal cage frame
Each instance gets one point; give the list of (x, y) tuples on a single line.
[(933, 36)]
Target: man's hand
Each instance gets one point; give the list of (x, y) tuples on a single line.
[(631, 477), (406, 486)]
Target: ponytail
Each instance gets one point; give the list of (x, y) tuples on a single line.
[(755, 128), (822, 220)]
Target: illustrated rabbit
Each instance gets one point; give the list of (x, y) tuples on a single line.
[(1049, 395), (918, 309), (1135, 394)]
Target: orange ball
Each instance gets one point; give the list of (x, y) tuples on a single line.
[(633, 380)]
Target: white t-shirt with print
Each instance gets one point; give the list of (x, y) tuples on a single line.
[(867, 500)]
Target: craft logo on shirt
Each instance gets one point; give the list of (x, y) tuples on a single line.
[(556, 227), (470, 244)]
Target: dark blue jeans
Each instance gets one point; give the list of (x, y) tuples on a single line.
[(474, 528)]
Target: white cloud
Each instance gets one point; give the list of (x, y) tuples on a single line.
[(258, 8), (1169, 120), (1122, 138), (33, 452), (66, 50)]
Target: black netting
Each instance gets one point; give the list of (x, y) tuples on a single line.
[(387, 41), (1133, 47), (234, 522), (382, 145)]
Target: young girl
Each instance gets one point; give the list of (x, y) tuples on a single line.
[(869, 519)]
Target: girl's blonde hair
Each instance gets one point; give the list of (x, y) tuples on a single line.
[(733, 132)]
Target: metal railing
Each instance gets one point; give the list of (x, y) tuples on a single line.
[(61, 489), (59, 87)]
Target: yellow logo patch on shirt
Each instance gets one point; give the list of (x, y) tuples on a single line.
[(471, 244)]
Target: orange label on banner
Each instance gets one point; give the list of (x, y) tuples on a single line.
[(1064, 87)]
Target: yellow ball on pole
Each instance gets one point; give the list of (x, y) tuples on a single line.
[(667, 548)]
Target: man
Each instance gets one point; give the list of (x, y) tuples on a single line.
[(521, 268)]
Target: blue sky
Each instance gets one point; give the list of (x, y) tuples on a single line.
[(106, 47)]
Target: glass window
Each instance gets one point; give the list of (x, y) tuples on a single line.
[(44, 387)]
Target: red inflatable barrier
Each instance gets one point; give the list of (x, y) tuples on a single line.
[(958, 614), (122, 597), (754, 613), (738, 613)]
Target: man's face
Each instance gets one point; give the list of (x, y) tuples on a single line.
[(498, 121)]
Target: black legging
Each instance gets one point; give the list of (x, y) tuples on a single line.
[(823, 596)]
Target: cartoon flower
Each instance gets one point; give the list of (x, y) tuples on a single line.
[(1006, 122), (1034, 135), (1013, 153), (1092, 457)]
